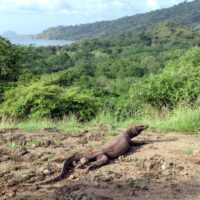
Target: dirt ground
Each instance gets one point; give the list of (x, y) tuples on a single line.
[(168, 168)]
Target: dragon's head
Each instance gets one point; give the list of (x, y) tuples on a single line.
[(134, 131)]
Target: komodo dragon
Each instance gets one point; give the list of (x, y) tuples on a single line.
[(114, 148)]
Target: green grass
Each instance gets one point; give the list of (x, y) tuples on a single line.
[(197, 172), (138, 160), (111, 133), (70, 125), (50, 155), (37, 142), (183, 119), (189, 151), (104, 118), (35, 125), (7, 123), (107, 118), (140, 183), (13, 144)]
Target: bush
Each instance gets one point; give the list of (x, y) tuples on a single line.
[(178, 82), (44, 99), (84, 106)]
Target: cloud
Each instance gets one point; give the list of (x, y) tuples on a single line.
[(68, 6), (153, 4), (83, 7), (33, 6)]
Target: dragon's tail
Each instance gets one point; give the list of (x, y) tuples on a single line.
[(67, 166)]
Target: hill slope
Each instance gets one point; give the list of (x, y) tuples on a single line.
[(9, 34), (186, 13)]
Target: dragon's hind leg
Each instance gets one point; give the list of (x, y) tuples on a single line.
[(101, 160)]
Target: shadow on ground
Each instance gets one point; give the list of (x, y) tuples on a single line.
[(105, 188)]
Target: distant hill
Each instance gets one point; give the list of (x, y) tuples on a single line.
[(186, 13), (9, 34), (164, 34)]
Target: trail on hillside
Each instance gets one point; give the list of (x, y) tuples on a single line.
[(166, 168)]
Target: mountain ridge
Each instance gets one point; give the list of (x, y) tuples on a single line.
[(185, 13)]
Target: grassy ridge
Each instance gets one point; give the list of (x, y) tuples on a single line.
[(189, 12), (180, 120), (183, 119)]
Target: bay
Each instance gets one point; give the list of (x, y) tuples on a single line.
[(26, 41)]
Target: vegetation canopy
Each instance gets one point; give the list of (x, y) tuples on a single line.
[(131, 75)]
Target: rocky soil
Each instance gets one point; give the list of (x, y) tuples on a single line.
[(167, 168)]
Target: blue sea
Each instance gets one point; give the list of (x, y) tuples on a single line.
[(38, 42)]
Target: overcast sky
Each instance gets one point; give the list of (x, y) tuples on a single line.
[(33, 16)]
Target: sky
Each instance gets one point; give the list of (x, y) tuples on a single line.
[(34, 16)]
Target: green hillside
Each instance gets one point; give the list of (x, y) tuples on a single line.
[(186, 13), (132, 76)]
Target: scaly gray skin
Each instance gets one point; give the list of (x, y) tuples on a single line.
[(114, 148)]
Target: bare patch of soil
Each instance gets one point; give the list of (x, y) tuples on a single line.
[(166, 168)]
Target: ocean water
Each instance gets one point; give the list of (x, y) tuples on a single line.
[(38, 42)]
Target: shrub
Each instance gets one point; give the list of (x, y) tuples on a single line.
[(44, 99), (83, 105), (178, 82)]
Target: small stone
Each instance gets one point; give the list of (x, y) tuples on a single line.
[(47, 172), (42, 169), (120, 158), (83, 161), (71, 177), (148, 165), (164, 167), (33, 145), (74, 163)]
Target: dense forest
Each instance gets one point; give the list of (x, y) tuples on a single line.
[(185, 13), (128, 75)]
